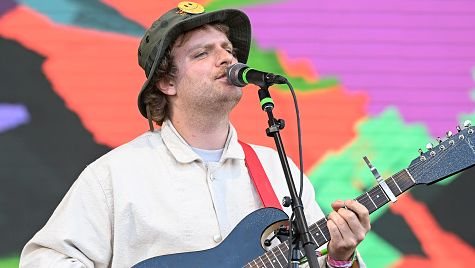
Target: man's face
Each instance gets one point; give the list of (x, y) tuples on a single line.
[(200, 84)]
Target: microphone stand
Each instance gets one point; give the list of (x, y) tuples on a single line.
[(302, 234)]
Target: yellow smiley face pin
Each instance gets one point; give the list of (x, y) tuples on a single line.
[(191, 7)]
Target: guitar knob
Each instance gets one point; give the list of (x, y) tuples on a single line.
[(420, 151), (449, 134), (429, 146), (467, 123)]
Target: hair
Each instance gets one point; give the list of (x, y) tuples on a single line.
[(154, 98)]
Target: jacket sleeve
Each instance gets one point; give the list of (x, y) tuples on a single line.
[(78, 234)]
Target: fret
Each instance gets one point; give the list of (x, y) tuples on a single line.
[(276, 258), (284, 257), (262, 262), (404, 180), (270, 260), (378, 196), (392, 179), (252, 265), (322, 233), (410, 176), (371, 200)]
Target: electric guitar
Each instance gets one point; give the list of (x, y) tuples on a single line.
[(243, 248)]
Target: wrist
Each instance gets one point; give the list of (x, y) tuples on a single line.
[(339, 263)]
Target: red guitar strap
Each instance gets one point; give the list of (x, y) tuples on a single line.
[(259, 177)]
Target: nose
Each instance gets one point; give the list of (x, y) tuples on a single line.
[(225, 58)]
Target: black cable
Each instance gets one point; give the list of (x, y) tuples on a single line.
[(299, 136)]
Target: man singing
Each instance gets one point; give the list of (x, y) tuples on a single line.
[(186, 186)]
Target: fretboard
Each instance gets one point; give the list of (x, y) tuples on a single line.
[(372, 200)]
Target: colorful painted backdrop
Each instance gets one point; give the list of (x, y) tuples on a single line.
[(375, 78)]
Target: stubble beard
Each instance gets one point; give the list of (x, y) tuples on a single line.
[(219, 102), (214, 103)]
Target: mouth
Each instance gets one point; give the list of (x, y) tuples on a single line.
[(221, 75)]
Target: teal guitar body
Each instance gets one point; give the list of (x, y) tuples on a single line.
[(241, 246)]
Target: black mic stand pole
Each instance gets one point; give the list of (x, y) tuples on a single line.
[(302, 233)]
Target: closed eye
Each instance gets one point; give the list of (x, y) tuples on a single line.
[(199, 55)]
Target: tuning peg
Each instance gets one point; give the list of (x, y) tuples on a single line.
[(429, 146), (449, 134), (467, 123), (458, 128), (420, 151), (439, 140)]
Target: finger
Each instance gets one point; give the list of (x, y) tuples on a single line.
[(338, 204), (341, 224), (335, 234), (361, 212), (357, 230)]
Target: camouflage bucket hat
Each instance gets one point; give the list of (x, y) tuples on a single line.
[(185, 17)]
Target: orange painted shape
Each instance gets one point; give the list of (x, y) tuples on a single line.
[(443, 249), (297, 67), (328, 118), (98, 77), (145, 12), (95, 73)]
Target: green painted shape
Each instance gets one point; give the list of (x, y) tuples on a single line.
[(10, 262), (386, 140), (391, 145), (261, 59), (376, 252), (220, 4)]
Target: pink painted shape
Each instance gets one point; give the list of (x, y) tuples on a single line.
[(416, 56)]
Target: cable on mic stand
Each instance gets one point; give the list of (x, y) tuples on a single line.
[(299, 235)]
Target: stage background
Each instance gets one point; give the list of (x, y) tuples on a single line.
[(375, 78)]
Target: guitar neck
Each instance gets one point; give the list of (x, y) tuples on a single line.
[(372, 200)]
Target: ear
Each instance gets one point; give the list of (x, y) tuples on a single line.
[(166, 86)]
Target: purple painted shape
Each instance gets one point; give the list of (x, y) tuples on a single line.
[(415, 55), (6, 5), (12, 115)]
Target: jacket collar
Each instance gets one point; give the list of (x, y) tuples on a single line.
[(182, 151)]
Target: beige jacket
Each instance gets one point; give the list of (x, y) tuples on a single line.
[(154, 196)]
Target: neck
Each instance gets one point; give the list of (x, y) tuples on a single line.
[(201, 132)]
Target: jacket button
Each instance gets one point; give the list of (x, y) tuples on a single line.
[(217, 238)]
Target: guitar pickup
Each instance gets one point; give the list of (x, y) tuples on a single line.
[(380, 180)]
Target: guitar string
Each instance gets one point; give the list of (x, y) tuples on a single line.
[(365, 200)]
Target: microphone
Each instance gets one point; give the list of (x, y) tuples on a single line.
[(240, 74)]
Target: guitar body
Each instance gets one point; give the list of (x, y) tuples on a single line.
[(241, 246)]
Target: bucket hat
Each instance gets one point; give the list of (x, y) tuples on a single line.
[(185, 17)]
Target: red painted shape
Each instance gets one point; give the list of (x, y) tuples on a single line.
[(95, 73), (98, 77), (443, 249), (328, 118)]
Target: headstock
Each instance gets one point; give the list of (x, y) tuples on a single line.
[(449, 156)]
